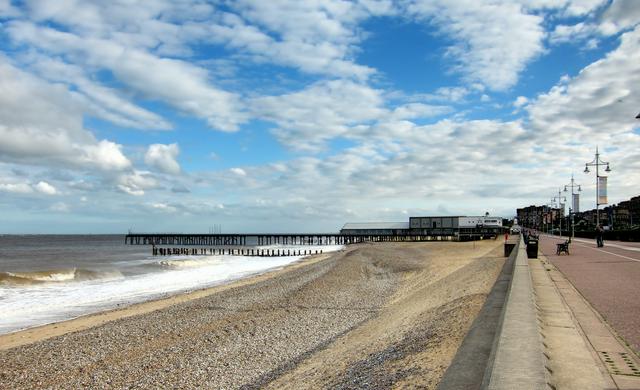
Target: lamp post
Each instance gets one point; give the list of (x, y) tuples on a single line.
[(597, 162), (559, 198), (572, 185)]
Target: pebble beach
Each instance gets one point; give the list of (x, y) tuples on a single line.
[(369, 316)]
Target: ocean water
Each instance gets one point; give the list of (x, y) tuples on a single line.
[(45, 279)]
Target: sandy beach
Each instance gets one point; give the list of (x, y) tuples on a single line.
[(371, 316)]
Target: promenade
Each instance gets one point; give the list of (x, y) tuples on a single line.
[(566, 319), (608, 277), (594, 323)]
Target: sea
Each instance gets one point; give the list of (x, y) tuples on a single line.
[(51, 278)]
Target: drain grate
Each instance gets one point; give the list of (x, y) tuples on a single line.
[(620, 363)]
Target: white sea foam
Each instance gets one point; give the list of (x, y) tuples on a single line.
[(23, 306)]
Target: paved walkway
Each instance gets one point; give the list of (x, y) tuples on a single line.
[(600, 288), (571, 362), (608, 277)]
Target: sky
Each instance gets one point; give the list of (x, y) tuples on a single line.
[(298, 116)]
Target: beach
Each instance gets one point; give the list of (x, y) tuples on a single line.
[(371, 315)]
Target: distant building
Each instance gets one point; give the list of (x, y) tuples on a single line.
[(431, 226), (541, 218), (623, 215)]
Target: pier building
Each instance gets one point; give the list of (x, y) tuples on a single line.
[(456, 226), (372, 228)]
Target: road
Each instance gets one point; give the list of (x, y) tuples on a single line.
[(608, 277)]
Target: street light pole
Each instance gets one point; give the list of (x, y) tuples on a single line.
[(560, 198), (597, 162), (572, 185)]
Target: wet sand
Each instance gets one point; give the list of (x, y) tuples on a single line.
[(373, 315)]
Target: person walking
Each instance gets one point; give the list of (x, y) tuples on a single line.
[(600, 236)]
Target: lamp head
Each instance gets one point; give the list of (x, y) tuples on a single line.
[(607, 169), (586, 169), (579, 189)]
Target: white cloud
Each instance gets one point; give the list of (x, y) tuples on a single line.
[(418, 110), (322, 111), (119, 62), (520, 101), (136, 182), (45, 188), (494, 40), (448, 94), (26, 188), (40, 124), (16, 188), (163, 207), (461, 161), (101, 101), (177, 83), (316, 37), (7, 10), (599, 101), (572, 33), (622, 14), (163, 158), (582, 7), (238, 171), (105, 155), (596, 107)]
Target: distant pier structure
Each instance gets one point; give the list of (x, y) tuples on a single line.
[(236, 239), (206, 240)]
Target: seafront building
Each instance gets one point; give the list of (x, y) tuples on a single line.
[(454, 226), (621, 216), (541, 218)]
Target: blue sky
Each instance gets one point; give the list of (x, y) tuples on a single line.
[(300, 116)]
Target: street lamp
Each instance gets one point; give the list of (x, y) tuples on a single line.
[(597, 162), (572, 185), (560, 198)]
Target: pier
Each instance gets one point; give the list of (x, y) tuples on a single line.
[(235, 239), (180, 239), (165, 244)]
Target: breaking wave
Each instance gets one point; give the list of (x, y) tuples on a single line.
[(184, 263), (56, 276)]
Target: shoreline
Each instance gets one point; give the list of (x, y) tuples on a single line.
[(90, 320)]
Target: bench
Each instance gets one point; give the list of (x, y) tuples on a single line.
[(562, 247)]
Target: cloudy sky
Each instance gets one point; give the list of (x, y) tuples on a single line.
[(289, 115)]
